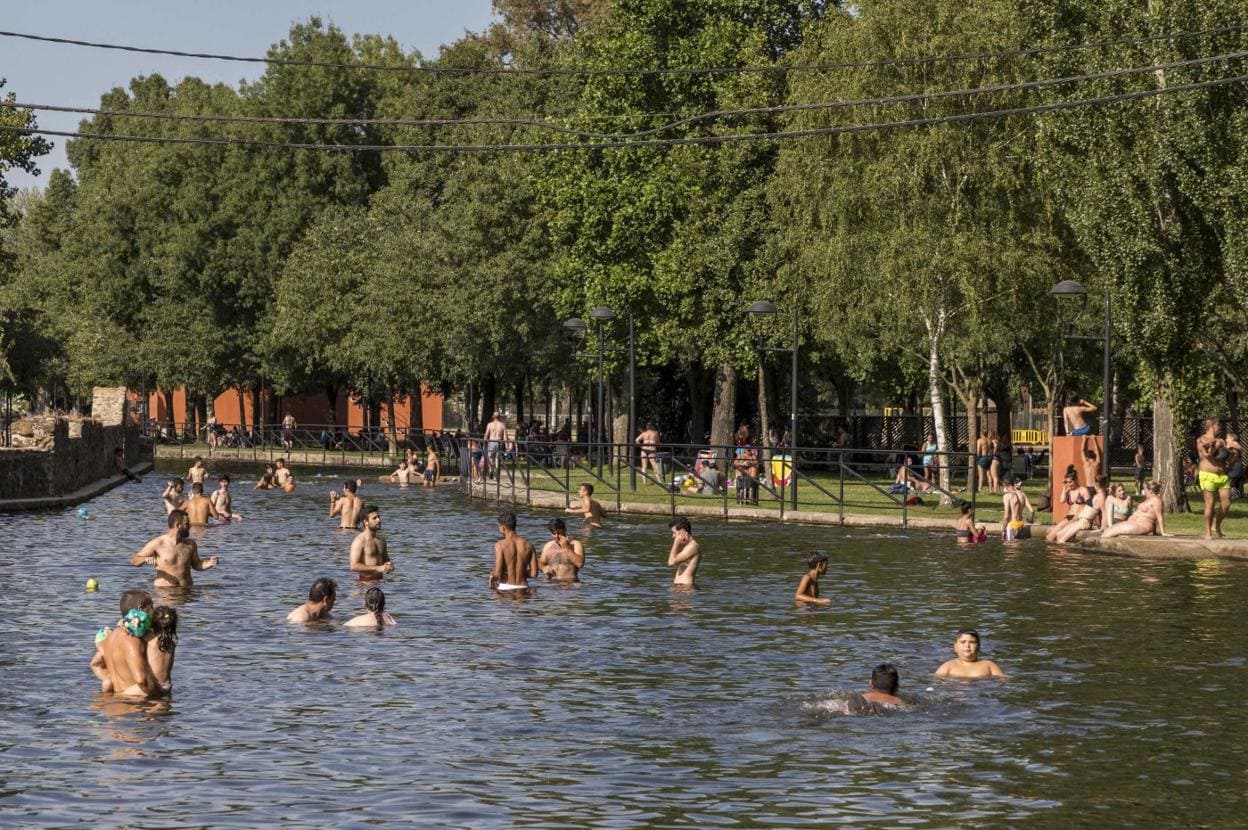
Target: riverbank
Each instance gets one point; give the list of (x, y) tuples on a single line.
[(82, 494)]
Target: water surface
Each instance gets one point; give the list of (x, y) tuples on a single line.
[(618, 703)]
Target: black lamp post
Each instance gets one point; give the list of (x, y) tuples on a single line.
[(1074, 296), (601, 315), (766, 308), (574, 328)]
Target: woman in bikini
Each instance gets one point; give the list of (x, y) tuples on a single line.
[(1089, 513), (1073, 496), (1117, 507), (1149, 517), (163, 646)]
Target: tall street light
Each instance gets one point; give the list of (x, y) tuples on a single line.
[(601, 315), (1072, 295), (765, 308), (574, 328)]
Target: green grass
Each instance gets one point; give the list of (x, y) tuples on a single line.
[(860, 498)]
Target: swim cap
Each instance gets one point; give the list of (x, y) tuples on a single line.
[(136, 622), (101, 635)]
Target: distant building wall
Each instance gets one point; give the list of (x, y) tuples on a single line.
[(307, 409)]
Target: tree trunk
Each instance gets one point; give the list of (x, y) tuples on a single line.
[(518, 390), (489, 389), (1005, 411), (935, 330), (1167, 447), (392, 440), (331, 395), (764, 413), (256, 400), (416, 411), (724, 406), (696, 378), (242, 410), (169, 419)]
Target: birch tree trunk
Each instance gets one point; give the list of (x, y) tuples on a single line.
[(935, 331)]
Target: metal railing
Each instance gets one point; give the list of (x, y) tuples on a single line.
[(830, 480), (307, 444)]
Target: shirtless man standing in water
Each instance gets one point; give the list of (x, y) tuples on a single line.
[(199, 508), (174, 555), (562, 558), (349, 506), (685, 554), (120, 660), (968, 665), (369, 558), (515, 560)]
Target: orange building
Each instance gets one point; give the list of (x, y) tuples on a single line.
[(308, 410)]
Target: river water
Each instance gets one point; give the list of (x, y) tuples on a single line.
[(617, 703)]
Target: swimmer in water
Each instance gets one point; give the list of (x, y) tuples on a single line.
[(964, 528), (369, 557), (173, 554), (433, 469), (885, 680), (808, 588), (349, 506), (562, 558), (590, 507), (222, 501), (375, 613), (685, 555), (162, 646), (281, 475), (198, 473), (120, 661), (268, 480), (199, 508), (968, 665), (172, 497), (321, 598), (515, 560)]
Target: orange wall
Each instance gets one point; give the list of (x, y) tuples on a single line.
[(1064, 451), (307, 409)]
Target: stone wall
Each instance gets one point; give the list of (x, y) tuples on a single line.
[(66, 454)]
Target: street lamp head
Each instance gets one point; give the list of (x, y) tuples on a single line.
[(574, 326), (1068, 288), (600, 314), (762, 307)]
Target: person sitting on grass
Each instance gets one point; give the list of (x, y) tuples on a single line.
[(808, 588)]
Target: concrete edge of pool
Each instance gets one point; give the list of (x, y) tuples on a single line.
[(85, 493)]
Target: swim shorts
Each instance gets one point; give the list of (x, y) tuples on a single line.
[(984, 461), (1083, 430), (1213, 482)]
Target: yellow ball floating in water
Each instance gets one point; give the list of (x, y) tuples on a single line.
[(92, 585)]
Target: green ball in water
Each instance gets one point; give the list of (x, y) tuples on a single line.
[(93, 585)]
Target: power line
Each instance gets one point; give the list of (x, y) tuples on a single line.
[(591, 72), (666, 142), (533, 122)]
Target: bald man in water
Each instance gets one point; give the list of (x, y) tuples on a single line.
[(173, 554)]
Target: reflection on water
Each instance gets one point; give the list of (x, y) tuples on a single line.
[(620, 702)]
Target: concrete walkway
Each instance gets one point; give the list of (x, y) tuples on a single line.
[(80, 495), (1146, 547)]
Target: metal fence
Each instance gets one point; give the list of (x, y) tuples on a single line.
[(828, 480)]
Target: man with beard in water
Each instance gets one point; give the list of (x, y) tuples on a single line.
[(562, 558), (173, 554)]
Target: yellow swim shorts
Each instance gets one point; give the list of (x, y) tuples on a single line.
[(1213, 482)]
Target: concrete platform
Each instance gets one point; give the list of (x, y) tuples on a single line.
[(77, 497)]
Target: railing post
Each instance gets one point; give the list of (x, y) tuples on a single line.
[(841, 500), (619, 485), (567, 478)]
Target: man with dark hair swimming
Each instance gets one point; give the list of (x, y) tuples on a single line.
[(369, 557), (321, 598)]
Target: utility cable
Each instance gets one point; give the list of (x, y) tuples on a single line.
[(592, 72), (666, 142), (546, 125)]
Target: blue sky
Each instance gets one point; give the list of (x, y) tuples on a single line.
[(77, 76)]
